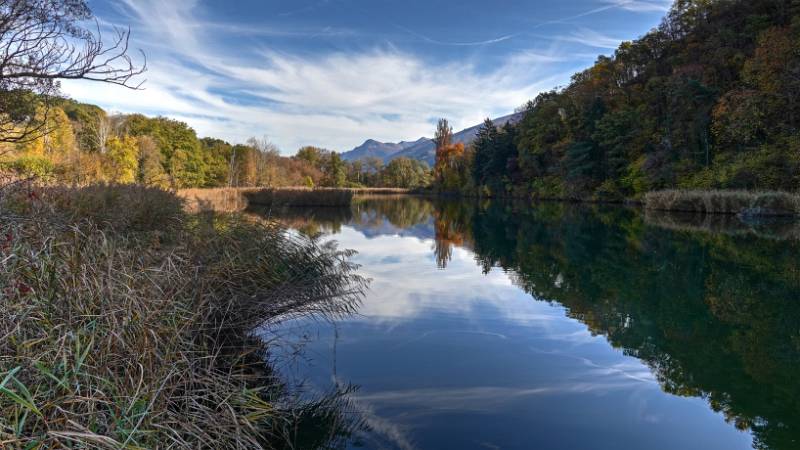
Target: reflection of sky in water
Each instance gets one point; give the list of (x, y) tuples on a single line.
[(458, 359)]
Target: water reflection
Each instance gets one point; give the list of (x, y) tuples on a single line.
[(711, 310)]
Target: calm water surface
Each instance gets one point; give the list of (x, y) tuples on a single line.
[(556, 327)]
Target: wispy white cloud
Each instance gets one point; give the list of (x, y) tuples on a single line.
[(335, 99), (641, 5), (496, 40), (203, 72), (591, 38)]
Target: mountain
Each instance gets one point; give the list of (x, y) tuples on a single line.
[(375, 149), (423, 149)]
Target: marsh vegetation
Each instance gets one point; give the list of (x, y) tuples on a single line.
[(130, 323)]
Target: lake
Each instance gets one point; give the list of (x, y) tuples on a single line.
[(493, 325)]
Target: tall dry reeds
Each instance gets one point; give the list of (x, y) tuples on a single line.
[(746, 203), (239, 199), (128, 324), (300, 197), (216, 199)]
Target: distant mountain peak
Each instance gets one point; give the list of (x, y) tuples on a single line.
[(423, 149)]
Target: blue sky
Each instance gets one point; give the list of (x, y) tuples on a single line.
[(333, 73)]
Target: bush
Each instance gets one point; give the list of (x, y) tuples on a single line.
[(32, 166)]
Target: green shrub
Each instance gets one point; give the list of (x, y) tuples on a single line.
[(33, 166)]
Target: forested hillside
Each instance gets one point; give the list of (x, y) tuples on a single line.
[(83, 144), (708, 99)]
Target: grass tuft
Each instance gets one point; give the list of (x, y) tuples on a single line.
[(127, 323)]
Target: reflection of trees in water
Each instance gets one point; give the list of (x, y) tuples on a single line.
[(777, 228), (402, 211), (714, 315), (450, 219), (312, 222), (367, 212)]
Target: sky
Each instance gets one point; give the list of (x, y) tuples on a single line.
[(333, 73)]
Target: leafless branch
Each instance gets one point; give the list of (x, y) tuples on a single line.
[(43, 42)]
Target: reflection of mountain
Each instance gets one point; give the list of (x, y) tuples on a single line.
[(402, 216), (375, 227)]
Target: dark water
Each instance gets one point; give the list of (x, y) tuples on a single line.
[(557, 327)]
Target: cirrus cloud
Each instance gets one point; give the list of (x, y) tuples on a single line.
[(235, 80)]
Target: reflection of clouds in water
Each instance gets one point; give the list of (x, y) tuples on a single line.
[(406, 284), (629, 368), (395, 434), (484, 398), (427, 334)]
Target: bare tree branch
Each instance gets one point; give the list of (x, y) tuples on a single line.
[(43, 42)]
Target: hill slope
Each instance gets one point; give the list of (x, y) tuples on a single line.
[(710, 99)]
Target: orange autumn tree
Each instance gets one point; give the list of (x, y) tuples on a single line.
[(451, 172)]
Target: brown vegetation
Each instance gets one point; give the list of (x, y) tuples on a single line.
[(239, 199), (725, 202), (300, 197), (216, 199), (127, 323)]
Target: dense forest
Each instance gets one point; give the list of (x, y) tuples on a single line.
[(708, 99), (84, 144)]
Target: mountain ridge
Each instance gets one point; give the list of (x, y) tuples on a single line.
[(423, 149)]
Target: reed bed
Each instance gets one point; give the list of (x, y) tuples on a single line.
[(239, 199), (300, 197), (743, 203), (127, 323), (216, 199)]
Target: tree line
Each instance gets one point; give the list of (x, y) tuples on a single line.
[(84, 144), (708, 99)]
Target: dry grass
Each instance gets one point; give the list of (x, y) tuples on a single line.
[(217, 199), (128, 324), (301, 197), (238, 199), (725, 202)]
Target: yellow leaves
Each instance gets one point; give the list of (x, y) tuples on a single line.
[(451, 166), (123, 156), (59, 138)]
